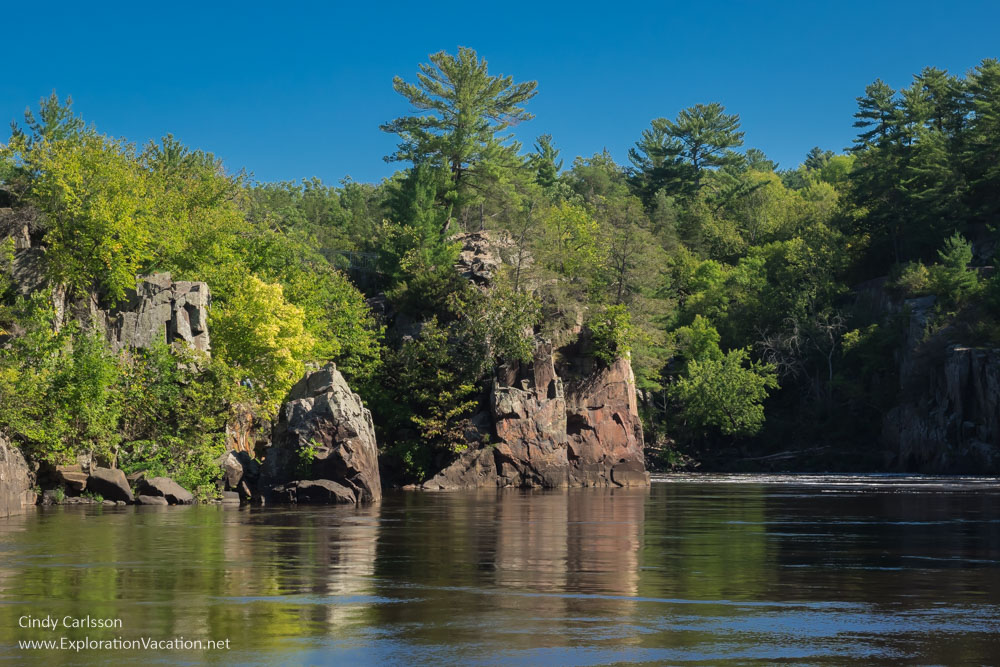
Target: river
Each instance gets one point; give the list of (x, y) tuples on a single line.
[(697, 569)]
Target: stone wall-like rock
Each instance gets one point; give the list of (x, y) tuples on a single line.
[(950, 422), (550, 433), (947, 417), (16, 481), (324, 432), (605, 431), (160, 309)]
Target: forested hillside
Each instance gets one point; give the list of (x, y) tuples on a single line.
[(748, 295)]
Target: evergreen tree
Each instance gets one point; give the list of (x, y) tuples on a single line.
[(982, 150), (817, 158), (469, 112), (674, 154), (546, 161), (877, 116)]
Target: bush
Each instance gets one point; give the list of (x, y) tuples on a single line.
[(726, 394), (611, 333)]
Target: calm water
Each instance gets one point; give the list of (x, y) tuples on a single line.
[(696, 569)]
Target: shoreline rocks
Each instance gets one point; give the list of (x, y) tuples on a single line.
[(554, 432), (324, 434), (163, 487), (110, 483), (17, 480)]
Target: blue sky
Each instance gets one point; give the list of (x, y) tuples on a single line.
[(292, 90)]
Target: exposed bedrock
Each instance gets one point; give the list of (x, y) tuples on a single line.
[(550, 432), (324, 432)]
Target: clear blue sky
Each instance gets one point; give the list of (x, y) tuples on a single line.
[(290, 90)]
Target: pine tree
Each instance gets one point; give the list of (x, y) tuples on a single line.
[(877, 116), (469, 112), (546, 161), (982, 148), (674, 154)]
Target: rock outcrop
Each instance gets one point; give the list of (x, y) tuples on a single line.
[(16, 481), (324, 433), (947, 417), (584, 431), (160, 309), (484, 253)]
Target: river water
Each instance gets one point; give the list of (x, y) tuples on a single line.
[(697, 569)]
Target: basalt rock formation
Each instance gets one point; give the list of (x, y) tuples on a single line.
[(323, 433), (583, 430), (160, 309), (16, 480), (947, 419)]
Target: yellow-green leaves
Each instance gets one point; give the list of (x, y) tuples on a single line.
[(264, 336), (94, 194)]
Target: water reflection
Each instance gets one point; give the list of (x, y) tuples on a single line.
[(816, 570)]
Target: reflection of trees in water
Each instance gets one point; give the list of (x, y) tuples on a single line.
[(474, 574), (522, 568)]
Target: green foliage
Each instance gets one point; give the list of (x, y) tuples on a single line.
[(469, 111), (176, 404), (59, 391), (611, 333), (725, 394), (95, 196), (546, 161), (698, 341), (913, 279), (951, 278), (435, 379), (263, 336), (691, 250), (674, 154)]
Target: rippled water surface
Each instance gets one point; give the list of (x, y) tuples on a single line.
[(697, 569)]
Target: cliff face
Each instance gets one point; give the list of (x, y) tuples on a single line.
[(16, 480), (158, 309), (583, 430), (947, 419)]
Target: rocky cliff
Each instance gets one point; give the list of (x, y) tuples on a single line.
[(323, 445), (158, 309), (575, 426), (16, 480), (947, 419)]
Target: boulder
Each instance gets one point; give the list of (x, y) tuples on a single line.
[(16, 480), (110, 483), (313, 492), (166, 488), (324, 432), (230, 498), (72, 477), (240, 472), (150, 500), (477, 469)]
